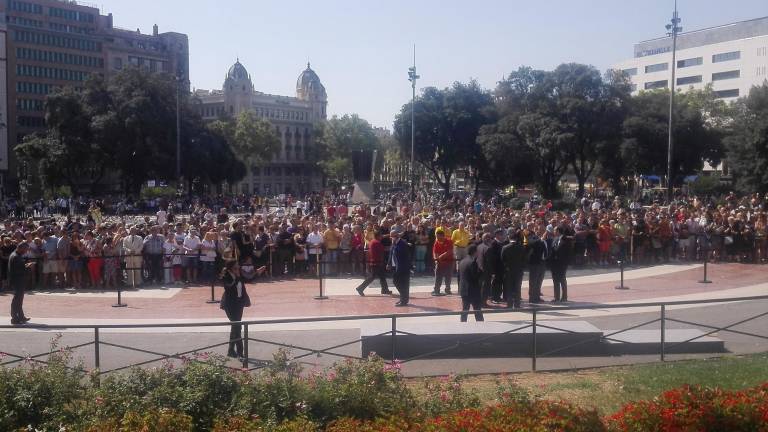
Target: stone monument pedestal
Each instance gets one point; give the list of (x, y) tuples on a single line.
[(362, 193)]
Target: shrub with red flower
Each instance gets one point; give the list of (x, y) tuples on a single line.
[(695, 408)]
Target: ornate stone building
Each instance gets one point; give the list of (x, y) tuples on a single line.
[(291, 171)]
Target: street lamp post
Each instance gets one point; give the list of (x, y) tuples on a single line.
[(412, 77), (673, 28), (179, 81)]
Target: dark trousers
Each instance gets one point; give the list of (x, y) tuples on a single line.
[(485, 286), (513, 282), (443, 272), (376, 272), (497, 287), (235, 313), (474, 301), (402, 282), (17, 313), (155, 264), (535, 280), (283, 258), (560, 282)]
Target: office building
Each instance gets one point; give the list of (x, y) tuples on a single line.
[(292, 170), (732, 58), (57, 43)]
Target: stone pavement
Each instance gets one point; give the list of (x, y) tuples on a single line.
[(274, 299)]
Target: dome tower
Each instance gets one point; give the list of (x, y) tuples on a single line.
[(310, 89), (238, 89)]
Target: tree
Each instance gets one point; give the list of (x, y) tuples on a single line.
[(67, 152), (696, 139), (529, 137), (591, 112), (747, 143), (336, 139), (448, 122)]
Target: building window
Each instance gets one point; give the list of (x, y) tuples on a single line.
[(720, 94), (658, 67), (656, 85), (690, 62), (255, 171), (723, 57), (630, 71), (719, 76), (689, 80), (633, 87)]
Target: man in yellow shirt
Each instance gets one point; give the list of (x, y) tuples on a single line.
[(331, 238), (460, 238)]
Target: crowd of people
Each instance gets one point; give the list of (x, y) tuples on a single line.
[(192, 240)]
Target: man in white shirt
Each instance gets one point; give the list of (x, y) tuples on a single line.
[(132, 246), (315, 243), (192, 252), (162, 217)]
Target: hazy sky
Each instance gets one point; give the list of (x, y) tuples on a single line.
[(362, 49)]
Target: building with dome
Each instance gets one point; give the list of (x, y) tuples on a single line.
[(292, 170)]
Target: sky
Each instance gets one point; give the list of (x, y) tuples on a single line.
[(362, 49)]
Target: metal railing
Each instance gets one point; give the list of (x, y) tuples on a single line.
[(533, 323)]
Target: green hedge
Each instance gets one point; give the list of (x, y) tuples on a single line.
[(369, 395)]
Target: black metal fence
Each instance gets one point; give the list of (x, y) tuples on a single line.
[(532, 322)]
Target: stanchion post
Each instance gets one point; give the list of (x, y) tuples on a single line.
[(621, 284), (213, 297), (322, 295), (706, 259), (120, 295)]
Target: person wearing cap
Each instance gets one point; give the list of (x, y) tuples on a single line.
[(513, 257), (400, 262), (469, 284), (442, 253), (18, 267)]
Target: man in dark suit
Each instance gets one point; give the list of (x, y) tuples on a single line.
[(558, 264), (469, 284), (514, 257), (17, 279), (485, 274), (494, 266), (400, 262), (536, 263)]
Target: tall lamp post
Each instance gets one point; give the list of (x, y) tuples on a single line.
[(179, 82), (673, 29), (412, 77)]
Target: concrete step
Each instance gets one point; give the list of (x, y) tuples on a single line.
[(648, 342), (514, 339)]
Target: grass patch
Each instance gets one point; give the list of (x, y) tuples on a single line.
[(607, 389)]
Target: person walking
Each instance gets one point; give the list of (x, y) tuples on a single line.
[(400, 262), (469, 284), (17, 278), (233, 301), (376, 266)]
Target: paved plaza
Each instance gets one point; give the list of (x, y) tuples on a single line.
[(294, 298)]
